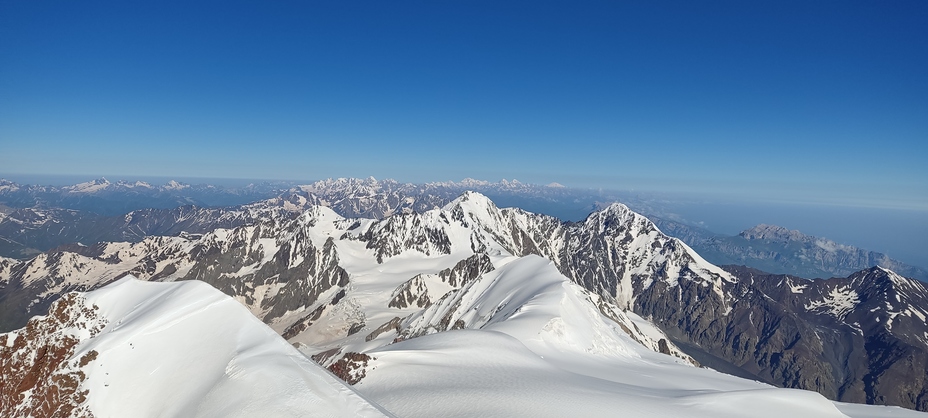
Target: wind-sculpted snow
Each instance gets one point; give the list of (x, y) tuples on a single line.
[(472, 373), (529, 299)]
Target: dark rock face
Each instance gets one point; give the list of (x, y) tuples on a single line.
[(399, 233), (303, 323), (391, 325), (411, 293), (867, 330), (351, 367), (467, 270), (755, 334)]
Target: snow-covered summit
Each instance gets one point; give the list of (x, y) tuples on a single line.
[(175, 185), (89, 187)]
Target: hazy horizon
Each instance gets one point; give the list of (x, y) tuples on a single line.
[(900, 233)]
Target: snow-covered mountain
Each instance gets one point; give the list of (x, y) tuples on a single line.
[(342, 288), (526, 342), (39, 218), (30, 222), (29, 231), (145, 349)]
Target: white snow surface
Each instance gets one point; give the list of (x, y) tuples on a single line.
[(469, 373), (184, 349), (535, 346)]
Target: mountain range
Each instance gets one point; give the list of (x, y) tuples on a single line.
[(776, 249), (30, 225), (364, 296)]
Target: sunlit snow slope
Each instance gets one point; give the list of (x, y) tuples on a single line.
[(145, 349), (531, 343)]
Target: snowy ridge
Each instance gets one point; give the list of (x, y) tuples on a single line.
[(529, 299), (185, 349)]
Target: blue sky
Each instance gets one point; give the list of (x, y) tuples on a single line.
[(809, 102)]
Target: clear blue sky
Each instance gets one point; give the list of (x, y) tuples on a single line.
[(810, 101)]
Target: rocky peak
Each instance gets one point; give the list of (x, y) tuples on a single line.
[(317, 214), (617, 218), (40, 373)]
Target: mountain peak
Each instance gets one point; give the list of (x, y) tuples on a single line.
[(175, 185), (319, 213), (471, 198), (879, 275), (616, 210), (90, 186)]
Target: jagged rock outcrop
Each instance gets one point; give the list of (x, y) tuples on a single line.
[(351, 367), (39, 375), (413, 292), (466, 270)]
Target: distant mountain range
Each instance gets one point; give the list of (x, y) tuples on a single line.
[(776, 249), (34, 219), (106, 198), (39, 218), (345, 289)]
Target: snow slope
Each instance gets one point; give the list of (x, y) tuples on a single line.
[(530, 343), (185, 349)]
